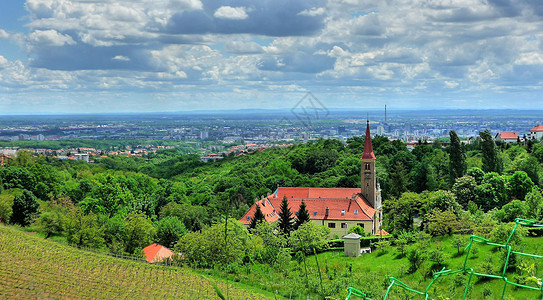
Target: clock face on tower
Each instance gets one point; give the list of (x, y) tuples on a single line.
[(368, 175)]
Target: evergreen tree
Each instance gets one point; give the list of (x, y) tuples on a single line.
[(285, 217), (457, 162), (257, 218), (302, 216), (492, 162), (25, 207)]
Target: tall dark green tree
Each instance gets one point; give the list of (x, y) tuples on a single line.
[(302, 216), (25, 207), (457, 162), (285, 217), (257, 218), (492, 162)]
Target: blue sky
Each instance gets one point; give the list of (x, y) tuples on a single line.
[(92, 56)]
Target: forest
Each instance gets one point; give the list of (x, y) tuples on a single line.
[(122, 204)]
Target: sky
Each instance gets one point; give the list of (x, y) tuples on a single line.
[(107, 56)]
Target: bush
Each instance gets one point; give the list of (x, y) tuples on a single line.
[(309, 236)]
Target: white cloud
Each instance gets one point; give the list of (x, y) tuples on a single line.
[(233, 13), (315, 11), (50, 37), (3, 34), (121, 58), (3, 62), (532, 58)]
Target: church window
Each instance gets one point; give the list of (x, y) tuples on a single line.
[(331, 225), (366, 166), (343, 225)]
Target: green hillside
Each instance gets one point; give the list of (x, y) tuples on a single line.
[(31, 267)]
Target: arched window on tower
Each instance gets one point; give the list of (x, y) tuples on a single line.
[(366, 166)]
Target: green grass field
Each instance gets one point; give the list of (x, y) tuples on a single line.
[(34, 268)]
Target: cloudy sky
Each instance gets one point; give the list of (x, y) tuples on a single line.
[(90, 56)]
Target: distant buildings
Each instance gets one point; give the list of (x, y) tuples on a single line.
[(507, 137), (537, 132)]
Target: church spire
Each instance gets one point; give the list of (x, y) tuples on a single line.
[(368, 148)]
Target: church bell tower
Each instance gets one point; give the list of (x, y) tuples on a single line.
[(369, 181)]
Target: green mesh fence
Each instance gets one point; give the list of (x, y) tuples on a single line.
[(470, 272)]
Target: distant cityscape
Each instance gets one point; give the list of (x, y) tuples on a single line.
[(218, 134)]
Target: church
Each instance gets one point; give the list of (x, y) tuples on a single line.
[(339, 209)]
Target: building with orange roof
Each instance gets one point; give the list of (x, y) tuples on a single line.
[(156, 253), (507, 137), (537, 132), (339, 209)]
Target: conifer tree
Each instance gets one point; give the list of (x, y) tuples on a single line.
[(285, 217), (302, 216), (457, 162), (257, 218), (491, 160)]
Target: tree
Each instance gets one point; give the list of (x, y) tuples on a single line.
[(51, 222), (285, 217), (358, 230), (169, 231), (6, 206), (25, 207), (308, 237), (219, 244), (457, 156), (84, 230), (257, 217), (477, 174), (464, 190), (140, 230), (443, 200), (519, 184), (458, 242), (442, 222), (302, 215), (492, 162), (534, 204), (492, 192), (511, 211), (398, 179)]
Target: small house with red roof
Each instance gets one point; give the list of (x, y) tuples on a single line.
[(339, 209), (506, 137), (537, 132), (156, 253)]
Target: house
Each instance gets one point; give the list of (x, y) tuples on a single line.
[(336, 208), (537, 132), (506, 137), (156, 253)]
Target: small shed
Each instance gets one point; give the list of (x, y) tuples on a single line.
[(351, 244), (156, 253)]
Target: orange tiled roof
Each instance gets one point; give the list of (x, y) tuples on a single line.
[(537, 128), (508, 135), (340, 203), (156, 252)]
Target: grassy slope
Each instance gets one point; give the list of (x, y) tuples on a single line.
[(369, 273), (31, 267)]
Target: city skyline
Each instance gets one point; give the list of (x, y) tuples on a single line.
[(80, 56)]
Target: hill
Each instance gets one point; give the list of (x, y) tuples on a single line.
[(31, 267)]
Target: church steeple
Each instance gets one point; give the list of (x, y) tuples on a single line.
[(368, 148), (368, 178)]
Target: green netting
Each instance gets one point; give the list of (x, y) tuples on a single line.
[(394, 282)]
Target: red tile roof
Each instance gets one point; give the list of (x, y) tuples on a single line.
[(508, 135), (537, 128), (381, 232), (342, 204), (368, 148), (156, 252)]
